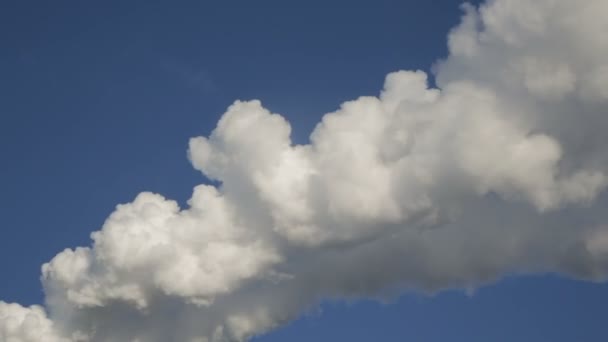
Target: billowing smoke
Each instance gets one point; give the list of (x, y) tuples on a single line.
[(499, 170)]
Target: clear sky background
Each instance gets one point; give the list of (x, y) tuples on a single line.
[(98, 101)]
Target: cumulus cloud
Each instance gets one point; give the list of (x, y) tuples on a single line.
[(20, 324), (501, 169)]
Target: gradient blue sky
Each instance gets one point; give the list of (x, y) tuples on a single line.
[(98, 100)]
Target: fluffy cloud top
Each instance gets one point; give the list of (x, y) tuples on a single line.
[(500, 169)]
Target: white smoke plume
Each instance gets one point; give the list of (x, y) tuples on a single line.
[(501, 169)]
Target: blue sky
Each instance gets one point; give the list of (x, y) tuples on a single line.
[(99, 100)]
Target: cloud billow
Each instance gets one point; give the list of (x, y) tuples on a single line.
[(501, 169)]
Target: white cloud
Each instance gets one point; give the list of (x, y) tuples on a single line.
[(21, 324), (502, 169)]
